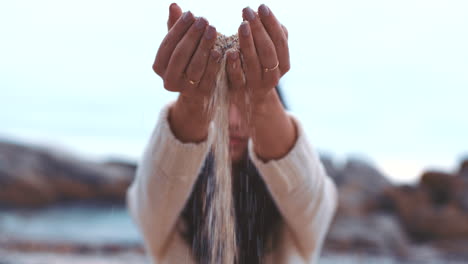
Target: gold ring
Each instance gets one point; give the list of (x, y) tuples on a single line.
[(190, 81), (272, 69)]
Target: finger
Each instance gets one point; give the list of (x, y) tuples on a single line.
[(175, 12), (278, 34), (182, 54), (285, 30), (251, 64), (234, 70), (198, 62), (170, 43), (208, 80), (264, 45)]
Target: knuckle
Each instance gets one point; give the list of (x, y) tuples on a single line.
[(273, 80), (277, 77), (157, 69), (276, 80), (285, 30), (281, 43), (169, 85), (285, 68), (272, 83)]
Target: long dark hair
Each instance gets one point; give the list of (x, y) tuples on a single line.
[(256, 213)]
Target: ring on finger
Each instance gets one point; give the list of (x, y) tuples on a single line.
[(272, 69), (192, 82)]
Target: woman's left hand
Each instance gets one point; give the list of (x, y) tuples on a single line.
[(265, 55)]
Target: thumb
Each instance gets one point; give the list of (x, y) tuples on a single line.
[(174, 14)]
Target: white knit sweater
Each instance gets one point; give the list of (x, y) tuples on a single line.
[(304, 194)]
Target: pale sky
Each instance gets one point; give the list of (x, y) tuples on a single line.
[(384, 80)]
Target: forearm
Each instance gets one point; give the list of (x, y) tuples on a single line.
[(273, 131), (188, 120), (302, 191), (162, 184)]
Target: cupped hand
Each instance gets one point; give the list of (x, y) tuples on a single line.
[(264, 52), (185, 59)]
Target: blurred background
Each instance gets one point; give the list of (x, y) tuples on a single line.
[(380, 87)]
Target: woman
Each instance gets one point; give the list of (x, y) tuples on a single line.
[(284, 201)]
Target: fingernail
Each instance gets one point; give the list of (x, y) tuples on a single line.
[(187, 16), (215, 54), (172, 6), (264, 10), (244, 29), (200, 23), (249, 13), (210, 32), (234, 55)]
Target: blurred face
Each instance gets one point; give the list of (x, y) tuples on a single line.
[(238, 134)]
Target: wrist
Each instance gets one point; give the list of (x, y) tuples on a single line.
[(272, 129), (188, 120), (263, 106), (192, 108), (190, 102)]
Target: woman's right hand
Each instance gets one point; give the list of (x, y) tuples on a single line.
[(185, 60), (187, 64)]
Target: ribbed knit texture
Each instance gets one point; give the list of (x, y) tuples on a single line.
[(303, 193)]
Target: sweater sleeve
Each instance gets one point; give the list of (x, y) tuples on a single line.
[(304, 194), (163, 182)]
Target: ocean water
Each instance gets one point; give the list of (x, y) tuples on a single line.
[(81, 224)]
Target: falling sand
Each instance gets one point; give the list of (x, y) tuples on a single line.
[(221, 214)]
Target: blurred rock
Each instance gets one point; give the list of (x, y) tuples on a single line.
[(462, 195), (464, 169), (331, 169), (359, 186), (431, 211), (355, 227), (359, 172), (379, 234), (377, 217), (373, 215), (441, 187), (34, 176)]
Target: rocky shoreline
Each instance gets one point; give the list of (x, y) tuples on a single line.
[(428, 220), (34, 177)]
